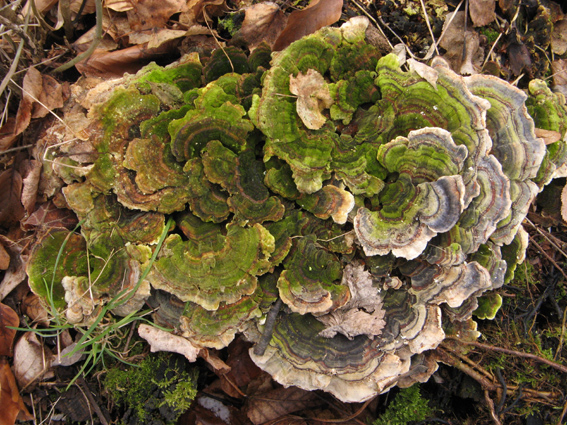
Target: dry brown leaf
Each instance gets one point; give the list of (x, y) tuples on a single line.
[(559, 37), (318, 14), (119, 5), (148, 14), (32, 361), (453, 39), (32, 172), (4, 257), (201, 11), (564, 203), (548, 136), (165, 341), (16, 272), (33, 307), (155, 38), (559, 69), (36, 87), (8, 317), (313, 96), (48, 216), (482, 12), (114, 64), (11, 209), (280, 402), (13, 406), (263, 22), (8, 134)]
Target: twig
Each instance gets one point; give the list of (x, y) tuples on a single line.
[(547, 238), (563, 412), (490, 405), (16, 60), (549, 258), (429, 26), (91, 401), (261, 346), (551, 363), (504, 391), (452, 360), (348, 418), (92, 47)]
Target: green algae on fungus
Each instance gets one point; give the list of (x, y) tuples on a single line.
[(379, 205)]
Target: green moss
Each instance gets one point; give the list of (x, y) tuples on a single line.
[(408, 406), (158, 390)]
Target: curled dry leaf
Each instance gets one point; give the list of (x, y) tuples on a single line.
[(11, 209), (263, 22), (8, 317), (16, 271), (41, 94), (148, 14), (280, 402), (482, 12), (164, 341), (4, 258), (32, 361), (30, 184), (12, 404), (559, 37), (453, 39), (312, 97), (300, 23), (115, 64)]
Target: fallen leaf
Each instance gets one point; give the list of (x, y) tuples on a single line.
[(155, 38), (518, 54), (41, 94), (33, 307), (32, 171), (263, 22), (11, 209), (114, 64), (559, 37), (548, 136), (4, 257), (564, 203), (10, 399), (119, 5), (8, 317), (318, 14), (454, 37), (426, 72), (482, 12), (160, 340), (362, 314), (202, 11), (559, 70), (32, 361), (48, 216), (15, 274), (148, 14), (312, 97), (8, 134), (280, 402), (219, 367)]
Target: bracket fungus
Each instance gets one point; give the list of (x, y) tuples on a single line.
[(375, 204)]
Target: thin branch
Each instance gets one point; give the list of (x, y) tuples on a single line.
[(92, 47), (551, 363)]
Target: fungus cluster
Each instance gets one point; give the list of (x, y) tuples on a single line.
[(377, 203)]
